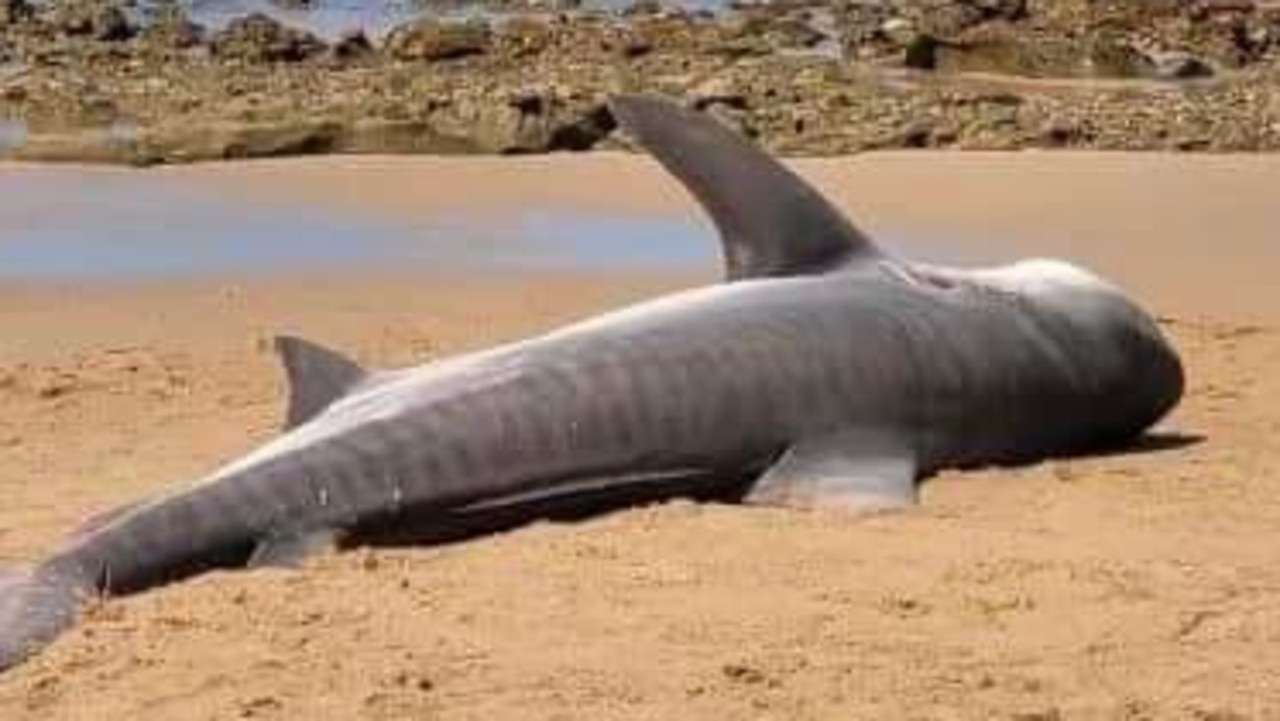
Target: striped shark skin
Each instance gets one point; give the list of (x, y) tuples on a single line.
[(825, 372)]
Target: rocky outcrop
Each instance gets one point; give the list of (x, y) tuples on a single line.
[(1070, 38), (1175, 65), (801, 78), (260, 38), (94, 20), (170, 28), (433, 40), (13, 12), (352, 46), (524, 121), (524, 36)]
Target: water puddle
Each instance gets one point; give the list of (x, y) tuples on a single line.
[(65, 224), (615, 240), (60, 223), (326, 18), (13, 134), (333, 18)]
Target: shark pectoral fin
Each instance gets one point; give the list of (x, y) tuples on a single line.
[(317, 377), (771, 222), (290, 549), (856, 471)]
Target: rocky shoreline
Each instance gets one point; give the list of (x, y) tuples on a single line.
[(100, 81)]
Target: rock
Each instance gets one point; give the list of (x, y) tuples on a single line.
[(628, 43), (180, 143), (1254, 38), (13, 12), (518, 6), (743, 673), (175, 31), (433, 40), (530, 101), (110, 24), (921, 52), (104, 22), (1002, 48), (948, 19), (1060, 132), (353, 45), (169, 26), (1176, 65), (13, 89), (739, 67), (55, 384), (1112, 57), (1201, 10), (535, 121), (1010, 10), (643, 7), (261, 38), (787, 31), (868, 28), (402, 136), (665, 32), (917, 133), (580, 130), (524, 36), (717, 90), (896, 32)]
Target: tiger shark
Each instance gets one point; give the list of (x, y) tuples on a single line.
[(825, 372)]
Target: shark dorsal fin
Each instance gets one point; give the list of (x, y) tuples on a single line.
[(317, 377), (771, 222)]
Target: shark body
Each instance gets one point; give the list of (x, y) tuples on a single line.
[(824, 373)]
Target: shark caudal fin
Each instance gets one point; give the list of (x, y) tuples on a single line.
[(771, 222), (35, 607)]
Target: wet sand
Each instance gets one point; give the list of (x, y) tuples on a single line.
[(1138, 585)]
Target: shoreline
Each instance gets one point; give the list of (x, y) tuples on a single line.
[(1191, 234)]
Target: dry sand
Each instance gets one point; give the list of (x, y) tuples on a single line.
[(1139, 585)]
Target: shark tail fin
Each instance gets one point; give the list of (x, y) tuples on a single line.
[(36, 606)]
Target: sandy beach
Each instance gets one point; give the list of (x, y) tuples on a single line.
[(1139, 585)]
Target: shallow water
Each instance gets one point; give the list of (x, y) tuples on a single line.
[(61, 223), (326, 18), (332, 18), (13, 134), (68, 224)]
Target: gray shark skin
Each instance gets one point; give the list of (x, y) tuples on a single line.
[(824, 373)]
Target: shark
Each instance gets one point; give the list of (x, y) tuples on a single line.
[(824, 373)]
